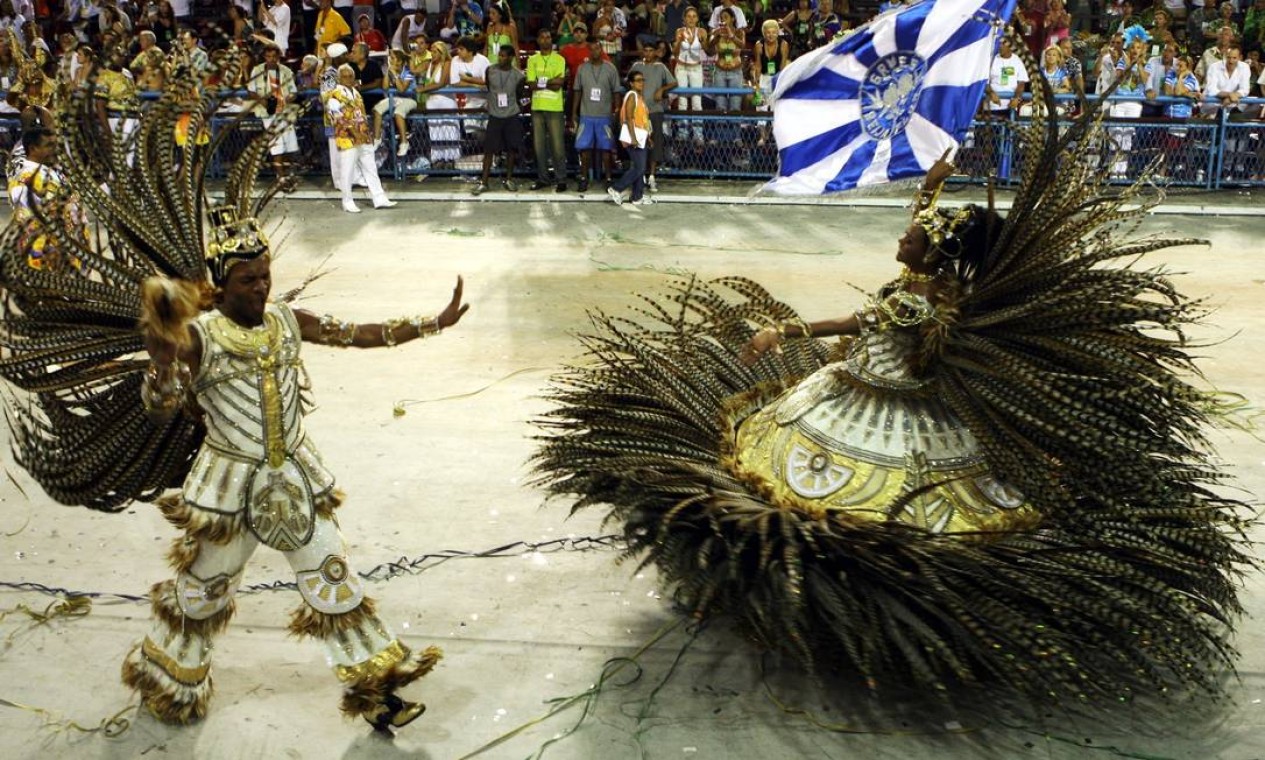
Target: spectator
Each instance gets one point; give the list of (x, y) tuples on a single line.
[(445, 134), (596, 82), (659, 82), (180, 11), (1131, 81), (272, 84), (330, 27), (67, 61), (1107, 58), (276, 19), (11, 21), (410, 27), (470, 69), (1225, 38), (634, 133), (798, 23), (691, 41), (308, 75), (565, 20), (1030, 22), (1157, 70), (369, 78), (351, 136), (345, 9), (547, 75), (770, 55), (1075, 71), (149, 67), (726, 44), (1058, 23), (1224, 20), (740, 19), (367, 35), (1204, 12), (82, 17), (505, 125), (827, 25), (401, 79), (501, 30), (609, 27), (465, 19), (1228, 81), (673, 19), (1056, 75), (240, 28), (166, 26), (576, 53), (1007, 79), (1180, 82), (1254, 27)]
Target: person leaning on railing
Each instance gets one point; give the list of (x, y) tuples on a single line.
[(400, 78)]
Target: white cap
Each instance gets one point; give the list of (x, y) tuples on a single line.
[(335, 50)]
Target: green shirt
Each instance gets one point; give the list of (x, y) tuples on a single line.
[(540, 67)]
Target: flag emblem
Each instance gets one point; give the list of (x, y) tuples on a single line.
[(889, 93)]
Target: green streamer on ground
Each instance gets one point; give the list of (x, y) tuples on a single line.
[(610, 669)]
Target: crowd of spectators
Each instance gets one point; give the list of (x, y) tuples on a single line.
[(577, 59)]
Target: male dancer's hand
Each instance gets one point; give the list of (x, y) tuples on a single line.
[(455, 309)]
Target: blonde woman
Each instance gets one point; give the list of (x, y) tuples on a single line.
[(688, 50), (445, 134)]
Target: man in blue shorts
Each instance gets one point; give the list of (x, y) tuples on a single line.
[(596, 84)]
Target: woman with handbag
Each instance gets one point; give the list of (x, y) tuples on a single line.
[(634, 133)]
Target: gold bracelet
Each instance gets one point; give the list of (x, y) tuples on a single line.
[(426, 326), (388, 331), (335, 332)]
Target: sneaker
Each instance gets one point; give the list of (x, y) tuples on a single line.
[(615, 195), (644, 200), (561, 187), (539, 185), (650, 183), (509, 185), (402, 150), (584, 185), (479, 189), (386, 204), (351, 208)]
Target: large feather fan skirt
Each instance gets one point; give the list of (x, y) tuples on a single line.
[(662, 424)]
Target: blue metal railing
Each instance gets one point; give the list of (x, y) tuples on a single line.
[(1223, 150)]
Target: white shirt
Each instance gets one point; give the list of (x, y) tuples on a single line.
[(477, 68), (1106, 73), (279, 26), (180, 8), (740, 19), (1004, 76), (1219, 81)]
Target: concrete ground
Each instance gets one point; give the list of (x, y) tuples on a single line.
[(429, 440)]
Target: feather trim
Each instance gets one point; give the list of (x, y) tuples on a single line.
[(306, 622), (365, 696), (167, 699)]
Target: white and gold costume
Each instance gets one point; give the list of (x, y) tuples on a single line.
[(870, 437), (258, 479)]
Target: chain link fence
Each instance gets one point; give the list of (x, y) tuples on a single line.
[(1227, 150)]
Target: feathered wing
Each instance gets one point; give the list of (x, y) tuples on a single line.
[(71, 346), (1066, 361)]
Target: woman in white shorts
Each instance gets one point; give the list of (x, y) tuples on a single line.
[(402, 81)]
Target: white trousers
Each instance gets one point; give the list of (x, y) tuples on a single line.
[(357, 177), (690, 76), (1123, 136), (359, 158)]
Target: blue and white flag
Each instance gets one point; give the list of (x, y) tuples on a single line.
[(886, 101)]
